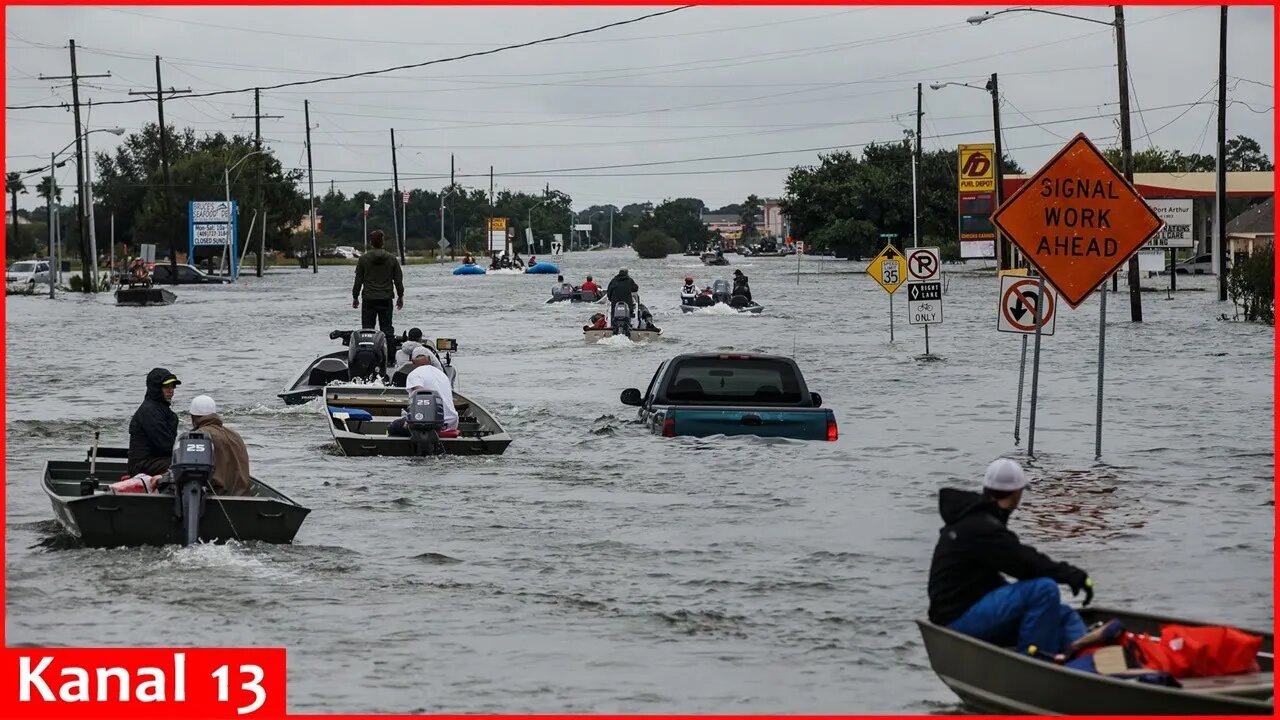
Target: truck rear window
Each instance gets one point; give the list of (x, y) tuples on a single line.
[(735, 382)]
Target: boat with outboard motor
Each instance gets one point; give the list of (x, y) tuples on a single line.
[(572, 293), (994, 679), (367, 358), (360, 418), (182, 512), (720, 296), (624, 323), (143, 294), (714, 258)]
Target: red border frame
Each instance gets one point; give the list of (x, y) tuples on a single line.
[(3, 311)]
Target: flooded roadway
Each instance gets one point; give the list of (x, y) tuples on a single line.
[(594, 568)]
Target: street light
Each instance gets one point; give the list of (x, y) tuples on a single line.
[(529, 223), (452, 190), (1004, 253), (1126, 142), (54, 264), (226, 177)]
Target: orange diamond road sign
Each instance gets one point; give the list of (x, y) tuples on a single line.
[(1077, 220)]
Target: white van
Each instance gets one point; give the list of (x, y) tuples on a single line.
[(27, 272)]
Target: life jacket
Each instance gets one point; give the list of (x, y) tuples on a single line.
[(1185, 652)]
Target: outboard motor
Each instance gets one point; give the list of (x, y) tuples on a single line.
[(425, 421), (721, 291), (621, 319), (367, 354), (192, 471)]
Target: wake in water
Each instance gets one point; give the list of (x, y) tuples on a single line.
[(719, 309), (620, 341)]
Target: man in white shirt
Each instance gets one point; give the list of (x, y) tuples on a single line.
[(429, 377)]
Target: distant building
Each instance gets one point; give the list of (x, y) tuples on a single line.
[(774, 223), (729, 226), (1254, 228)]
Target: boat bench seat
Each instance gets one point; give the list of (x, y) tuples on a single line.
[(1252, 684)]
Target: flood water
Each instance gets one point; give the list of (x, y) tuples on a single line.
[(595, 568)]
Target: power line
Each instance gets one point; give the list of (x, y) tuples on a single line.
[(368, 73)]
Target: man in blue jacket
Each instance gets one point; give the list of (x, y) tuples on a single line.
[(967, 589)]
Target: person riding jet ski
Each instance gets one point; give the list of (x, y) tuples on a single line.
[(689, 292)]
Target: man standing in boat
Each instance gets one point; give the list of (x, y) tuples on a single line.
[(967, 591), (379, 275), (621, 289), (154, 427)]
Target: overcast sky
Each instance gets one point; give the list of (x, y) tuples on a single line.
[(651, 99)]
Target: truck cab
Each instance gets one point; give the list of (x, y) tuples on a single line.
[(706, 394)]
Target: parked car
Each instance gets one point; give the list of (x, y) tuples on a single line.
[(27, 272), (163, 274), (1199, 265), (346, 251), (732, 394)]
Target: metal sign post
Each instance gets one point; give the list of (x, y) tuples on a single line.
[(889, 270), (1077, 221)]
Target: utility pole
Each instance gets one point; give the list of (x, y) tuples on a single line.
[(919, 122), (257, 146), (167, 203), (75, 78), (395, 173), (491, 209), (311, 189), (1220, 210), (1004, 250), (1126, 155)]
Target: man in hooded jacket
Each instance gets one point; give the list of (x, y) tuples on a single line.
[(967, 591), (378, 272), (154, 427)]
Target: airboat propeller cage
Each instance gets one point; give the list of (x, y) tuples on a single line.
[(366, 353), (192, 458), (426, 411)]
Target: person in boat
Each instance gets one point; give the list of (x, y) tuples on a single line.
[(413, 340), (515, 260), (967, 589), (688, 293), (591, 286), (153, 429), (426, 376), (230, 456), (621, 288), (599, 321), (139, 275), (533, 260), (379, 278), (468, 260), (740, 282), (646, 320)]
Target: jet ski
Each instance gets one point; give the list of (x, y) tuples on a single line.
[(368, 358)]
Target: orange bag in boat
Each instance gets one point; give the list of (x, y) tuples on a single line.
[(1185, 652)]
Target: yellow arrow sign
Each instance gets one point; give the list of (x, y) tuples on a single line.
[(889, 268)]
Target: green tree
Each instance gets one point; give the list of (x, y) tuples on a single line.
[(750, 210), (654, 244), (131, 185), (14, 185), (680, 219)]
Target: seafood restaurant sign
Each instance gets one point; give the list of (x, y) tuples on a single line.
[(1077, 220)]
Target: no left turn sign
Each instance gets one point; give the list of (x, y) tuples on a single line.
[(1020, 306), (923, 264)]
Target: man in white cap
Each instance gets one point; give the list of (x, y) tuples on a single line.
[(967, 589), (426, 376), (230, 456)]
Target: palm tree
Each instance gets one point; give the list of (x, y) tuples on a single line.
[(13, 185), (43, 189)]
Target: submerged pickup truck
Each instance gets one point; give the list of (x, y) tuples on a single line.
[(732, 394)]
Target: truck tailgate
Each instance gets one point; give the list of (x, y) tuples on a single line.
[(795, 423)]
